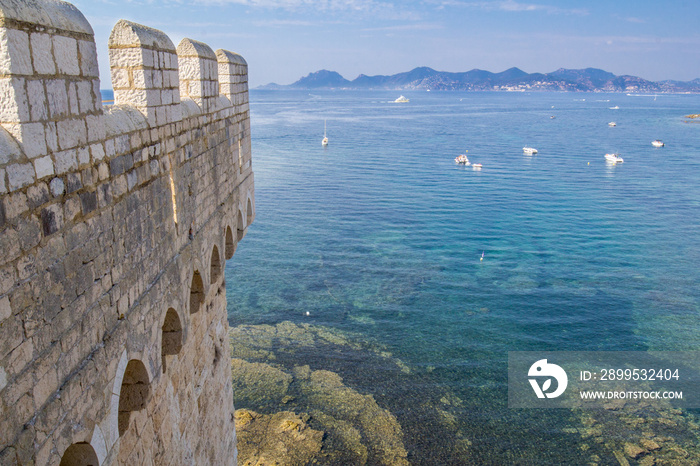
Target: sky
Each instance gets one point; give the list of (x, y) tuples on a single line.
[(283, 40)]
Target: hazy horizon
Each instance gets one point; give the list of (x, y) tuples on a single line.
[(284, 40), (438, 71)]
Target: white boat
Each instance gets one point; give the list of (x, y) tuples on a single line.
[(401, 99), (616, 107), (612, 123), (476, 165), (614, 158), (462, 159), (529, 150), (657, 143), (324, 142)]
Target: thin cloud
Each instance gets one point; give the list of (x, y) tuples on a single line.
[(515, 6), (277, 23), (365, 8), (511, 6), (630, 40), (408, 27), (632, 19), (321, 5)]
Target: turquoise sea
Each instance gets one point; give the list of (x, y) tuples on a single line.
[(380, 235)]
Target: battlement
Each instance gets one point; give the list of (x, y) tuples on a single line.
[(115, 224)]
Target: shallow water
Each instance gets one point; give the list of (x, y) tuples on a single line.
[(381, 234)]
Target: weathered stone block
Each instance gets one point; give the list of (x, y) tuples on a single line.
[(51, 136), (43, 167), (57, 187), (96, 130), (31, 136), (65, 161), (88, 58), (14, 52), (51, 219), (86, 101), (20, 175), (57, 95), (38, 105), (71, 210), (37, 195), (97, 151), (71, 133), (15, 106), (42, 57), (73, 183), (120, 78), (83, 156), (73, 98), (65, 51), (89, 201)]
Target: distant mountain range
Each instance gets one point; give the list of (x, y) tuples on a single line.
[(513, 79)]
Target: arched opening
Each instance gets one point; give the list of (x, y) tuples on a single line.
[(196, 293), (215, 269), (249, 212), (241, 227), (80, 454), (172, 336), (230, 245), (134, 392)]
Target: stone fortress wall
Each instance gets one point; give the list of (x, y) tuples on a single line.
[(115, 224)]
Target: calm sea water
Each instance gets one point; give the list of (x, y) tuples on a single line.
[(381, 233)]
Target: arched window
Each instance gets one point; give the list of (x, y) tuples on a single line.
[(241, 226), (230, 245), (172, 335), (249, 212), (134, 392), (215, 269), (80, 454), (196, 293)]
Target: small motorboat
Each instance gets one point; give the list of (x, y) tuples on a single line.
[(613, 158), (657, 143), (616, 107), (401, 100), (529, 150), (612, 123), (476, 165), (462, 159)]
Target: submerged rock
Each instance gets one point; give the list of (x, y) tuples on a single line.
[(646, 435), (343, 442), (254, 380), (380, 429), (271, 373), (282, 438), (259, 342)]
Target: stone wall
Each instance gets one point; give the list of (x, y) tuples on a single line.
[(115, 224)]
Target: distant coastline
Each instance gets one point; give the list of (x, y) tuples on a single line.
[(513, 79)]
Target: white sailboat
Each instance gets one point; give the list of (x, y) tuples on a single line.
[(324, 142)]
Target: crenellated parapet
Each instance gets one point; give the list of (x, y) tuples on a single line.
[(144, 68), (115, 225)]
